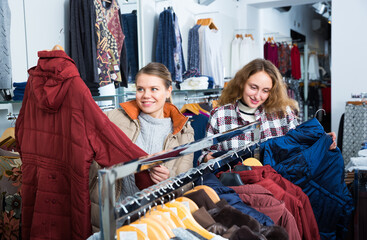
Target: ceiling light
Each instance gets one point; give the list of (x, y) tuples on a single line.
[(319, 7)]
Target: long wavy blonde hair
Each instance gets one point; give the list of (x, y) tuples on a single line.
[(278, 98)]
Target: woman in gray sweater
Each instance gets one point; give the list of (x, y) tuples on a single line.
[(153, 123)]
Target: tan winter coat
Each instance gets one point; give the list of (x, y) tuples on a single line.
[(127, 120)]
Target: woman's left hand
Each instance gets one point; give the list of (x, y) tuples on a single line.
[(333, 136), (159, 174)]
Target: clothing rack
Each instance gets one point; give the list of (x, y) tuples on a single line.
[(110, 212), (211, 96), (141, 200)]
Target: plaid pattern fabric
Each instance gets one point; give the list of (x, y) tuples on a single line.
[(227, 117)]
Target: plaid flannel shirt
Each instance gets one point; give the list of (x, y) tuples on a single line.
[(228, 117)]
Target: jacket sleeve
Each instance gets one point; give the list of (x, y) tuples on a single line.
[(292, 118), (211, 129), (184, 163), (110, 144)]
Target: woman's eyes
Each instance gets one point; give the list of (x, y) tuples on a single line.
[(142, 89)]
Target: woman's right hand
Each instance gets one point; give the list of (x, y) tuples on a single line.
[(208, 157)]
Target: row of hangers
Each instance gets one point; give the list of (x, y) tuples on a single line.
[(161, 219), (205, 106), (246, 35), (207, 22)]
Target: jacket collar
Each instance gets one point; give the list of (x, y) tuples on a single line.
[(178, 119)]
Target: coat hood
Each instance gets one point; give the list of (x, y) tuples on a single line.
[(50, 79)]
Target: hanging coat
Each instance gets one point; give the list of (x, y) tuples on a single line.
[(303, 157), (59, 131)]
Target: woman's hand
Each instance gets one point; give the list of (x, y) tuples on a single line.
[(159, 173), (333, 136), (208, 157)]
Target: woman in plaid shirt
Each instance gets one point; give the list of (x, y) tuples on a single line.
[(256, 93)]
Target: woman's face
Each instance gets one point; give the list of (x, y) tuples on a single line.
[(257, 89), (151, 94)]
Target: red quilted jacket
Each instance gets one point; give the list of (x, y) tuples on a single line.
[(59, 131)]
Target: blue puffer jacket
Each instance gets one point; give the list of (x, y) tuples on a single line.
[(303, 157), (233, 199)]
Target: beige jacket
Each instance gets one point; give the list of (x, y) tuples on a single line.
[(127, 120)]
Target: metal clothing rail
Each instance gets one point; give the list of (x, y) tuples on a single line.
[(202, 97), (106, 177)]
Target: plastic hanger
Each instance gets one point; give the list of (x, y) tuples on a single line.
[(154, 229), (57, 47), (207, 22), (184, 214), (165, 219), (163, 222), (252, 162), (172, 215), (230, 178), (190, 107), (192, 205), (128, 228), (210, 191), (9, 132)]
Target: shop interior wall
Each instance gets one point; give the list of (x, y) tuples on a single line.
[(348, 54)]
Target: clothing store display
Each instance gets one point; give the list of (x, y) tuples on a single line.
[(235, 56), (130, 29), (296, 62), (110, 40), (169, 44), (262, 200), (195, 83), (234, 200), (5, 55), (193, 52), (59, 131), (271, 52), (296, 201), (271, 126), (83, 42), (247, 51), (211, 60), (313, 67), (284, 59), (303, 157), (355, 129)]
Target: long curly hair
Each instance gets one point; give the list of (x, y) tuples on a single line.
[(278, 98)]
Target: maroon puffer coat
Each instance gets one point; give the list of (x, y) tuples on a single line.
[(59, 131)]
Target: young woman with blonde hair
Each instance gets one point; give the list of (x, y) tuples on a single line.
[(256, 93), (154, 124)]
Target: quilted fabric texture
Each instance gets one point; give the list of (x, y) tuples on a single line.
[(59, 131)]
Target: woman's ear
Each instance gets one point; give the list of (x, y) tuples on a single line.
[(169, 92)]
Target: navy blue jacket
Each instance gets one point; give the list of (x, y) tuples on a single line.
[(233, 199), (303, 157)]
